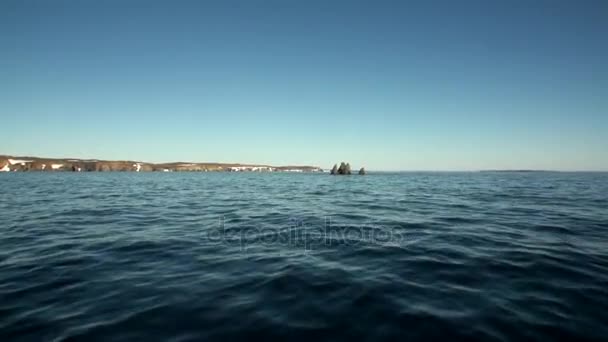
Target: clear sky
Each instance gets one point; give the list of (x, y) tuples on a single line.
[(390, 85)]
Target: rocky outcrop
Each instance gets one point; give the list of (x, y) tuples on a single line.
[(344, 169), (4, 165)]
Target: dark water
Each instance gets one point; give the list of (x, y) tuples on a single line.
[(419, 256)]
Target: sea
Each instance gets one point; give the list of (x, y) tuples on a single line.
[(418, 256)]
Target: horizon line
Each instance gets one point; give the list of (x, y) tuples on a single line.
[(489, 170)]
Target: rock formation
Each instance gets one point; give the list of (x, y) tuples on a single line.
[(344, 169), (4, 165)]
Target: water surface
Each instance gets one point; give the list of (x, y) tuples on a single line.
[(233, 256)]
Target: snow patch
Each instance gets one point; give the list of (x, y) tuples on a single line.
[(250, 168), (18, 161), (5, 168), (261, 168)]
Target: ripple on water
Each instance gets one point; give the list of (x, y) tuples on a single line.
[(420, 256)]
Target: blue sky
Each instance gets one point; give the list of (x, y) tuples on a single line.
[(390, 85)]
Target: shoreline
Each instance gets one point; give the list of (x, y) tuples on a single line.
[(24, 164)]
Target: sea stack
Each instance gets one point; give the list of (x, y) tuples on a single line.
[(344, 169), (334, 169)]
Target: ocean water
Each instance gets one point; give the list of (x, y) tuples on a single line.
[(235, 256)]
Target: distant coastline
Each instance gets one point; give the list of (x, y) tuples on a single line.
[(523, 170), (20, 163)]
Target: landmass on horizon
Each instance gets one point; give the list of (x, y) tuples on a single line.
[(17, 163)]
